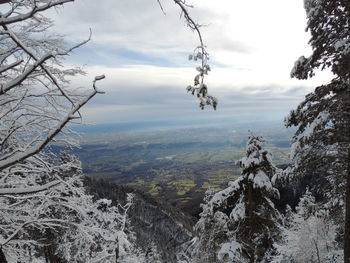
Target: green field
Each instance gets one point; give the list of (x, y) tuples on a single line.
[(178, 165)]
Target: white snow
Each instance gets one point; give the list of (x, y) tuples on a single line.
[(230, 251), (238, 212), (220, 197), (261, 180)]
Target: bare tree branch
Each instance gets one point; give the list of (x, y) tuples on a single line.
[(19, 157), (36, 9), (28, 190), (41, 62), (14, 64)]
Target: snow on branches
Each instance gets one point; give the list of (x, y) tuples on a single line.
[(41, 194), (35, 97), (309, 235), (330, 42), (62, 221), (241, 220), (199, 88), (321, 143)]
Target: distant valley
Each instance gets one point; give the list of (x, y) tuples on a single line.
[(176, 165)]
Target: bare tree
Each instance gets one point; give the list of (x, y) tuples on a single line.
[(36, 105)]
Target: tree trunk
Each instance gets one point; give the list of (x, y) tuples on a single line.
[(2, 256), (251, 223), (116, 254), (347, 213)]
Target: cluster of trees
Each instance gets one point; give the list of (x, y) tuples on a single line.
[(240, 223)]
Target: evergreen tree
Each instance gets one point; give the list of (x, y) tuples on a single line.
[(213, 231), (249, 221), (323, 118), (321, 143), (255, 217)]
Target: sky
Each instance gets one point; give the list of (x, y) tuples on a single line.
[(144, 54)]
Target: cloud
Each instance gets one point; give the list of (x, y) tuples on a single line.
[(139, 93), (128, 28), (253, 45)]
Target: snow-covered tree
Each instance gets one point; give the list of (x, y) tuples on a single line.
[(37, 198), (213, 232), (152, 255), (26, 215), (63, 222), (36, 99), (323, 135), (101, 236), (321, 143), (328, 23), (246, 223), (255, 218), (36, 104), (309, 235)]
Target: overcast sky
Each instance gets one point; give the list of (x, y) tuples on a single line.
[(143, 53)]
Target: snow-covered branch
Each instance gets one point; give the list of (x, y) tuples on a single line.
[(39, 62), (200, 53), (12, 65), (38, 221), (16, 158), (28, 190), (35, 9)]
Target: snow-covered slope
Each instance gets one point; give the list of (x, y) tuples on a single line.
[(153, 222)]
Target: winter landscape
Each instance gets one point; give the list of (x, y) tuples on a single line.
[(174, 131)]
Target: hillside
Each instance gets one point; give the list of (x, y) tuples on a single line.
[(154, 222)]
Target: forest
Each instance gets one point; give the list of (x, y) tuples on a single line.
[(51, 211)]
